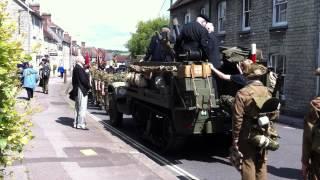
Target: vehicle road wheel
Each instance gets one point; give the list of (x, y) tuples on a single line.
[(116, 117), (106, 103), (170, 141), (140, 117)]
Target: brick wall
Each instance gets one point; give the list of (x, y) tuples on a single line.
[(194, 9)]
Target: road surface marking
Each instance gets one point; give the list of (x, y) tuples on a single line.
[(88, 152), (147, 151), (287, 127)]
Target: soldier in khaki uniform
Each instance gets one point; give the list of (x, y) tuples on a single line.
[(244, 112), (93, 77), (311, 141)]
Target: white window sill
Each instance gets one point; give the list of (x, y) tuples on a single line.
[(245, 29), (279, 24), (221, 32)]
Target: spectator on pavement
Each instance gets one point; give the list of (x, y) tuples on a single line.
[(45, 75), (30, 78), (61, 70), (81, 86)]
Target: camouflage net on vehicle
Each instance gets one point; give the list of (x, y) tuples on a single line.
[(108, 77), (143, 69)]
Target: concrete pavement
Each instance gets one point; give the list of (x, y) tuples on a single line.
[(59, 151)]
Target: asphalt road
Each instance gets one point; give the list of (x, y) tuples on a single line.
[(206, 158)]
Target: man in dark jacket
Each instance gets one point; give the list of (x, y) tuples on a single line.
[(81, 86), (157, 50), (193, 38), (213, 54)]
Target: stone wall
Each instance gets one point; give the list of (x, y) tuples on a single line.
[(298, 41)]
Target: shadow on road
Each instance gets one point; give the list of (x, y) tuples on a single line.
[(99, 113), (211, 149), (23, 98), (39, 91), (288, 173), (67, 121)]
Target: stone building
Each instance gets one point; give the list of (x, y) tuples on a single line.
[(29, 28), (288, 32), (57, 43)]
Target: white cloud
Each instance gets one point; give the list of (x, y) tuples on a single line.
[(105, 23)]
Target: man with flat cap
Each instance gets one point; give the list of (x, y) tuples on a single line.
[(158, 49), (311, 140), (194, 38), (246, 125)]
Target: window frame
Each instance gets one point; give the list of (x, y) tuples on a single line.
[(188, 14), (274, 13), (273, 62), (203, 11), (244, 28), (222, 19)]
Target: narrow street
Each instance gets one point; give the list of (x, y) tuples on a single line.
[(206, 158), (59, 151)]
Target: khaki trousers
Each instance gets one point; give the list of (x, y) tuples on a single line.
[(254, 166)]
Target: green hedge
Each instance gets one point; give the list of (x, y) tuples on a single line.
[(14, 128)]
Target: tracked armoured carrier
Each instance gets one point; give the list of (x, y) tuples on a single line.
[(169, 102)]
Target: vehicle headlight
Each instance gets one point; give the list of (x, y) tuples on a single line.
[(122, 91), (159, 82)]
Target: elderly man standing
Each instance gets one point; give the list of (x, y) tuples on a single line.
[(81, 86)]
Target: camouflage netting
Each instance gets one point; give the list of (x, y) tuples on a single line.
[(108, 77), (143, 69), (116, 77), (238, 54)]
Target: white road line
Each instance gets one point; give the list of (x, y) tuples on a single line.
[(146, 150), (287, 127)]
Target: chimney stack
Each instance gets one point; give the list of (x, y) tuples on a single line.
[(67, 38), (35, 7), (46, 17)]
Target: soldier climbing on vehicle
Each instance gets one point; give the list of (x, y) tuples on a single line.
[(159, 49)]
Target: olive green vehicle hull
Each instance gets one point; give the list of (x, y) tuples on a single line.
[(167, 116)]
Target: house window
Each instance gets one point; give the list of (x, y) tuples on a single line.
[(203, 11), (278, 63), (187, 18), (279, 12), (221, 16), (246, 8)]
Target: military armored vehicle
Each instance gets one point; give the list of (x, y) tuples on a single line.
[(169, 101)]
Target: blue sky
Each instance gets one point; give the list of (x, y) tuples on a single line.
[(103, 23)]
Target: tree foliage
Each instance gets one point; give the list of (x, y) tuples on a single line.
[(140, 40), (14, 129)]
